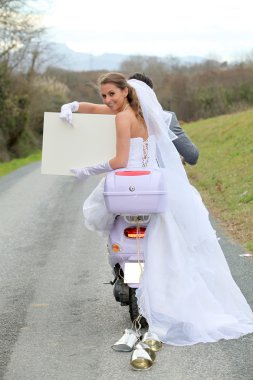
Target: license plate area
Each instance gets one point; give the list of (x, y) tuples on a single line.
[(133, 272)]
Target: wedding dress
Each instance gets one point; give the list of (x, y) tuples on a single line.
[(96, 217), (187, 293)]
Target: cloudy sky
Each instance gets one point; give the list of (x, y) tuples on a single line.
[(221, 29)]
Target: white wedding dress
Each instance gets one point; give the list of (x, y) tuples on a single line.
[(187, 293), (96, 218)]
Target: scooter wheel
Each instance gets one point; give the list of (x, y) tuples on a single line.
[(134, 309)]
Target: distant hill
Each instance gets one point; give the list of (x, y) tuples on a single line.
[(60, 55)]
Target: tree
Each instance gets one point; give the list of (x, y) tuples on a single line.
[(19, 34), (19, 30)]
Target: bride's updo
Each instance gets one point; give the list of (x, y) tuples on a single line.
[(120, 81)]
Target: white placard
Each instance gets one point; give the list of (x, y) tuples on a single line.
[(89, 141), (133, 272)]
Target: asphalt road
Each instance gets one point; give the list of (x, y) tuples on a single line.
[(58, 318)]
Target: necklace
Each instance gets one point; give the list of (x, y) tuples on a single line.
[(127, 105)]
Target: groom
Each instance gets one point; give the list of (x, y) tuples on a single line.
[(185, 147)]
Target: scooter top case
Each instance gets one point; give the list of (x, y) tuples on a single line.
[(135, 191)]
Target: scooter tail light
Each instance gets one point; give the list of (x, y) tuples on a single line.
[(116, 248), (135, 232)]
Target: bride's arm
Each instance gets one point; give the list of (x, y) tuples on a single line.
[(82, 107), (93, 108), (123, 133)]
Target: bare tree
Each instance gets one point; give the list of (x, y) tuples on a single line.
[(19, 29)]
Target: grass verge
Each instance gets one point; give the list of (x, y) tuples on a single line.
[(8, 167), (224, 173)]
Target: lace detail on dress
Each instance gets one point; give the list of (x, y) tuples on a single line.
[(145, 156), (142, 153)]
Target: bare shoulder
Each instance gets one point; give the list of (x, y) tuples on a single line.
[(123, 121), (123, 118), (126, 116)]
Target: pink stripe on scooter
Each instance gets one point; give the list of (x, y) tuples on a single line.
[(133, 173)]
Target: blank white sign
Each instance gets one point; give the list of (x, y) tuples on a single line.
[(89, 141), (133, 273)]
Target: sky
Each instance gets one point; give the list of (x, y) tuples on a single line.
[(219, 29)]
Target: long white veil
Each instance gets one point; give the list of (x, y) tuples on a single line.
[(184, 201), (187, 293)]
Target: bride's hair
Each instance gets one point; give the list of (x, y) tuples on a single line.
[(120, 81)]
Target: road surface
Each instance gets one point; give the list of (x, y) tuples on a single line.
[(58, 318)]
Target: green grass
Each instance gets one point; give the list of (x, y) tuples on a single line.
[(8, 167), (224, 173)]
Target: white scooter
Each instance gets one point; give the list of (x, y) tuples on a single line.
[(132, 195)]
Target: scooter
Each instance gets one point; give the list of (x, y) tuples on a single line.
[(126, 258), (132, 196)]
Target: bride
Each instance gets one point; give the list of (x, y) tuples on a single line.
[(187, 293)]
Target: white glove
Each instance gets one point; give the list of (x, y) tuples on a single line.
[(84, 173), (67, 109)]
